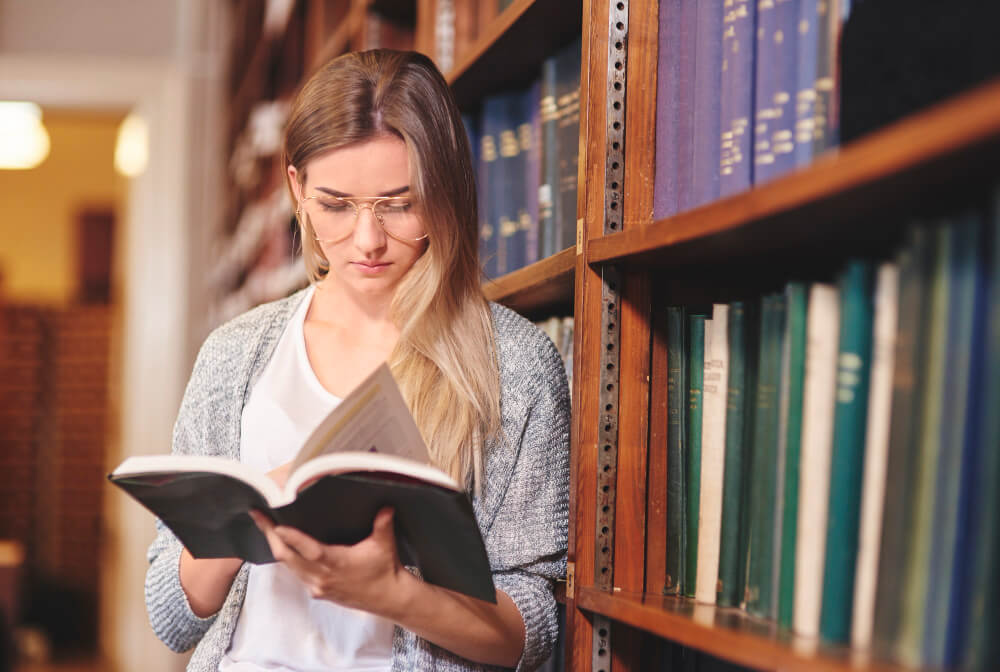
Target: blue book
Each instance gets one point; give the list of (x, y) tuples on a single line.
[(568, 103), (686, 63), (532, 148), (805, 96), (507, 184), (493, 111), (962, 271), (856, 284), (776, 84), (514, 154), (667, 109), (707, 101), (548, 204), (736, 97)]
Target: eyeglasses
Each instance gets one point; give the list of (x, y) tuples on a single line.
[(334, 218)]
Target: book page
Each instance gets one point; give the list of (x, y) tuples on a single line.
[(373, 418)]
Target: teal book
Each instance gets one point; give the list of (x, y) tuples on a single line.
[(921, 537), (760, 586), (856, 285), (915, 262), (676, 414), (692, 432), (962, 272), (981, 645), (796, 305), (731, 559)]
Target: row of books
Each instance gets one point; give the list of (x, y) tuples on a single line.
[(746, 92), (526, 145), (833, 450)]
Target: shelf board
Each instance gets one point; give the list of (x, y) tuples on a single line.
[(545, 284), (511, 50), (904, 166), (729, 634)]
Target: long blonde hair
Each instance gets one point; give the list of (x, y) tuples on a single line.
[(445, 360)]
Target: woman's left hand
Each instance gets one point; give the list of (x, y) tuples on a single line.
[(367, 575)]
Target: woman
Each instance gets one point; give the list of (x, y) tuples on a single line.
[(378, 165)]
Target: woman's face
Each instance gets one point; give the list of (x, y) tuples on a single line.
[(367, 261)]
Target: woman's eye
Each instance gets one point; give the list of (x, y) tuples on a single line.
[(400, 206), (333, 206)]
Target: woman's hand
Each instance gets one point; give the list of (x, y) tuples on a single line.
[(367, 575)]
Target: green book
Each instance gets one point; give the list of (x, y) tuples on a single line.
[(731, 558), (856, 285), (692, 432), (796, 304), (916, 563), (760, 585), (915, 265), (676, 414), (982, 647)]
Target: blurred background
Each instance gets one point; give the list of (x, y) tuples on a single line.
[(111, 185)]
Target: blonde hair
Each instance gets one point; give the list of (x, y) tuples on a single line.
[(445, 360)]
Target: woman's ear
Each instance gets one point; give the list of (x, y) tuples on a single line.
[(293, 180)]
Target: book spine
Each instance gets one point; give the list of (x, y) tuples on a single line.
[(847, 459), (822, 327), (962, 272), (914, 262), (776, 83), (730, 588), (707, 92), (692, 432), (684, 161), (713, 452), (676, 441), (912, 625), (981, 647), (548, 204), (796, 300), (489, 178), (510, 186), (568, 99), (760, 589), (667, 109), (531, 149), (876, 452), (736, 96), (805, 97), (825, 116)]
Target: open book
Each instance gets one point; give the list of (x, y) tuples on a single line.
[(368, 453)]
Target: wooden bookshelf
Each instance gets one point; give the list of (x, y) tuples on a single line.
[(903, 168), (541, 287), (729, 634), (511, 50)]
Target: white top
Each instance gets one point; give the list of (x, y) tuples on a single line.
[(281, 628)]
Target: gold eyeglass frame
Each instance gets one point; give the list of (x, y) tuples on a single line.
[(368, 202)]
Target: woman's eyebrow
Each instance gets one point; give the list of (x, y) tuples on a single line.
[(339, 194)]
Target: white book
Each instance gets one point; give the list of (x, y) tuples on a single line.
[(713, 452), (818, 403), (876, 452)]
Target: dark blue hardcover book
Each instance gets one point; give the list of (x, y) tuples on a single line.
[(962, 271), (516, 170), (776, 83), (492, 116), (531, 145), (548, 204), (737, 96), (684, 162), (805, 96), (568, 101), (667, 109), (707, 101), (471, 122)]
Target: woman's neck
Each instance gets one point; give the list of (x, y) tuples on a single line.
[(365, 315)]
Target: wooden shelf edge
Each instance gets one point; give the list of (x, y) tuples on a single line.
[(544, 284), (729, 634), (958, 133)]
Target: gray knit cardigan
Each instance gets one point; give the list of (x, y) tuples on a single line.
[(522, 510)]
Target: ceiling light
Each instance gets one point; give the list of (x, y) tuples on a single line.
[(24, 142)]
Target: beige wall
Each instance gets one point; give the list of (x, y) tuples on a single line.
[(38, 259)]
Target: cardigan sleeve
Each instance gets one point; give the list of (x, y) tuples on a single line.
[(527, 537)]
